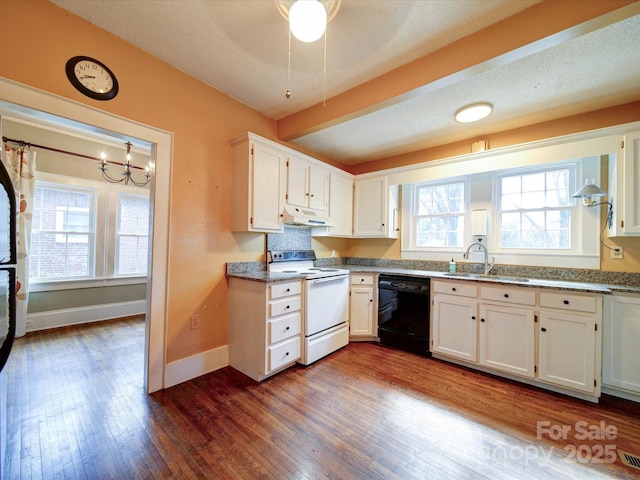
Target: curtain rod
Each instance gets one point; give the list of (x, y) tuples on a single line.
[(23, 143)]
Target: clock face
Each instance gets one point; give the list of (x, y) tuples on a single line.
[(92, 78)]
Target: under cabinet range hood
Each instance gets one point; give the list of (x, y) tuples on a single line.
[(305, 217)]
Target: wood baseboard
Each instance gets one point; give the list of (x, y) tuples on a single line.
[(74, 316)]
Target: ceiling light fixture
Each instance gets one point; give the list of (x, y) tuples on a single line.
[(126, 174), (308, 21), (473, 112)]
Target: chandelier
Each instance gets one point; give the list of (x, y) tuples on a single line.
[(126, 174)]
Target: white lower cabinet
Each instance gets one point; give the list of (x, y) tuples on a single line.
[(455, 320), (363, 309), (506, 329), (507, 339), (570, 340), (265, 322), (567, 353), (621, 337)]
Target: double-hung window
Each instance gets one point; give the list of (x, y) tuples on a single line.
[(88, 230), (63, 232), (438, 217), (535, 208), (132, 234)]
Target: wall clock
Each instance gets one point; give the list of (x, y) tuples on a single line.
[(92, 78)]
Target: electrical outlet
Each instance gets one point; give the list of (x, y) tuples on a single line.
[(617, 253), (195, 322)]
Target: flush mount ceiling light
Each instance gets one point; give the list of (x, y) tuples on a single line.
[(473, 112)]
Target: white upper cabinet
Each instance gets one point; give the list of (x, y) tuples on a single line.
[(258, 185), (375, 210), (340, 205), (624, 182), (307, 184)]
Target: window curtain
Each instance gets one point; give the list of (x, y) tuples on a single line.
[(20, 162)]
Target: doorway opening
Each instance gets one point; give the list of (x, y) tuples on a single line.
[(41, 108)]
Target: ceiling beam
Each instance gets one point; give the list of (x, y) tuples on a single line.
[(541, 26)]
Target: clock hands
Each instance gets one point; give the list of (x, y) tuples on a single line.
[(87, 76)]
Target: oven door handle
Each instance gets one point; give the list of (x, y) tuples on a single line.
[(328, 279)]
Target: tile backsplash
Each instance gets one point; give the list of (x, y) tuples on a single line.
[(293, 238)]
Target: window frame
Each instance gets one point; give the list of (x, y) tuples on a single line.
[(119, 194), (573, 167), (483, 196), (93, 235), (410, 194), (104, 258)]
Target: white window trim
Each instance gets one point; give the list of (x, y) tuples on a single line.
[(114, 196), (586, 227), (103, 274), (409, 196)]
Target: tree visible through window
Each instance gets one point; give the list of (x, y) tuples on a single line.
[(439, 215), (535, 210)]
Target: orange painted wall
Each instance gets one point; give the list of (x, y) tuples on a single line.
[(203, 121)]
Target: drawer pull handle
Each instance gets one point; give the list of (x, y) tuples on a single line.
[(288, 290), (286, 354), (506, 295), (287, 328), (453, 289), (473, 318), (287, 307), (482, 320), (566, 302), (543, 329)]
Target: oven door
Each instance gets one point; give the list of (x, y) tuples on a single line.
[(326, 303)]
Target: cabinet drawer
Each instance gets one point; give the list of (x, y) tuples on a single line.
[(366, 279), (283, 353), (284, 327), (568, 301), (456, 288), (279, 290), (286, 305), (508, 295)]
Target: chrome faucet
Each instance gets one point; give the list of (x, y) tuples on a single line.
[(481, 246)]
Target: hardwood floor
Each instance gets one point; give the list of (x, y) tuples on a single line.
[(77, 409)]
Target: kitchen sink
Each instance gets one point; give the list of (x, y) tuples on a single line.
[(487, 277)]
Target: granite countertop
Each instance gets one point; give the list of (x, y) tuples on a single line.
[(255, 271)]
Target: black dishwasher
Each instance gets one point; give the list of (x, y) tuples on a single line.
[(403, 312)]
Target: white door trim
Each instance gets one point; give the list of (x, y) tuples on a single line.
[(155, 338)]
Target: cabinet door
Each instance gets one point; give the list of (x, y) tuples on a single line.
[(361, 312), (297, 182), (340, 205), (567, 350), (369, 208), (454, 327), (268, 188), (318, 188), (621, 337), (507, 339), (630, 195)]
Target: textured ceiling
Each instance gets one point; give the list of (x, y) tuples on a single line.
[(240, 48)]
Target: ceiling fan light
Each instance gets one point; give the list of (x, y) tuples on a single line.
[(307, 20), (473, 112)]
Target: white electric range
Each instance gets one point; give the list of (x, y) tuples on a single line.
[(325, 300)]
